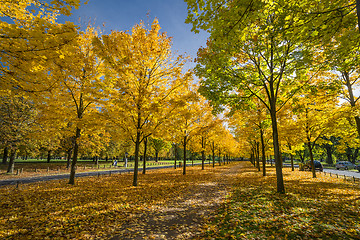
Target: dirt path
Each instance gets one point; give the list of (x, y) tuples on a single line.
[(180, 218)]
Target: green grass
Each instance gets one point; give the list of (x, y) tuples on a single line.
[(312, 208)]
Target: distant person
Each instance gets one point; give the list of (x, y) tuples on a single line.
[(115, 163)]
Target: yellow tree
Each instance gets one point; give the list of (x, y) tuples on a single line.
[(30, 39), (193, 119), (205, 121), (146, 78), (229, 146), (17, 117), (76, 97), (289, 136), (315, 114), (254, 121)]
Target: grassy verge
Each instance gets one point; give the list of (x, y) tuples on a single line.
[(320, 208)]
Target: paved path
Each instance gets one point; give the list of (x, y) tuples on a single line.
[(80, 174), (343, 172), (334, 171), (67, 175)]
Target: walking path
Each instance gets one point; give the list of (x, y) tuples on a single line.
[(183, 217), (14, 181)]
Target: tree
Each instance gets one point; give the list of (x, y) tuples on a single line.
[(291, 140), (315, 114), (192, 120), (206, 123), (79, 91), (252, 56), (158, 145), (30, 39), (17, 118), (146, 78)]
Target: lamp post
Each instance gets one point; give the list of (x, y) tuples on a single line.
[(126, 162)]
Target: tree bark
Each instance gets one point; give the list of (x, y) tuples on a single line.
[(219, 157), (136, 167), (329, 158), (311, 159), (202, 153), (11, 161), (291, 158), (184, 145), (74, 160), (349, 85), (202, 160), (175, 155), (5, 155), (49, 156), (213, 153), (156, 155), (278, 163), (144, 157), (258, 156), (355, 155), (263, 151)]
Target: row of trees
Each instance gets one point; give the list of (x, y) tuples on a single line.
[(84, 91), (282, 65)]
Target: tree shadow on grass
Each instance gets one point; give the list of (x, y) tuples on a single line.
[(311, 209)]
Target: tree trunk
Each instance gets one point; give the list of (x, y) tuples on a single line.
[(11, 162), (136, 167), (5, 155), (291, 158), (175, 155), (292, 162), (219, 158), (311, 159), (302, 157), (258, 156), (202, 160), (329, 152), (49, 156), (96, 160), (74, 160), (355, 155), (202, 153), (184, 145), (263, 151), (144, 157), (213, 153), (349, 85), (156, 155), (278, 163)]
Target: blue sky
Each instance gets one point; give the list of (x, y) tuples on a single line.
[(123, 14)]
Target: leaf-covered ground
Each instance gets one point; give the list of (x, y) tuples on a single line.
[(165, 205), (168, 205), (320, 208)]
